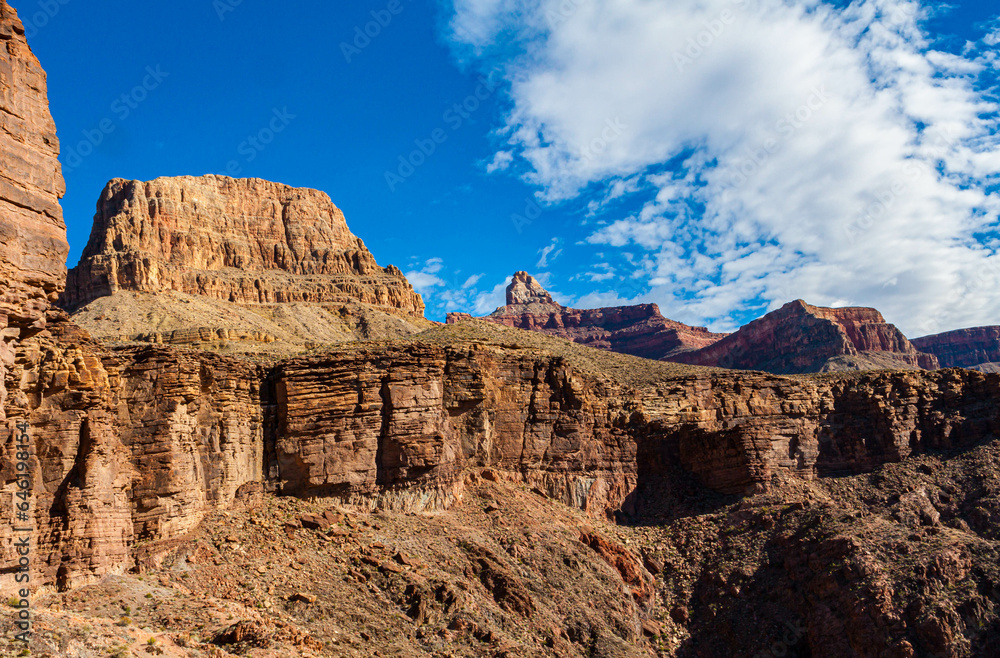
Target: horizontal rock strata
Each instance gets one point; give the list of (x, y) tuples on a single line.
[(246, 241), (141, 443), (639, 330), (964, 348), (33, 245), (800, 338)]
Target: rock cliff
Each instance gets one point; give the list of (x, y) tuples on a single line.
[(858, 510), (246, 241), (142, 443), (33, 245), (964, 348), (799, 338), (639, 330)]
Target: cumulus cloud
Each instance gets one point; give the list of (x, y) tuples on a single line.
[(488, 301), (433, 265), (993, 37), (771, 149), (423, 282), (424, 279)]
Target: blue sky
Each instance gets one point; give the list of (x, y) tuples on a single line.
[(717, 157)]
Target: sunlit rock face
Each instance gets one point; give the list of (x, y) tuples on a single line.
[(639, 330), (247, 241), (800, 338)]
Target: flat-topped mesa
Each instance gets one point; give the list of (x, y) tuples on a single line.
[(800, 338), (639, 330), (964, 348), (247, 241), (33, 245)]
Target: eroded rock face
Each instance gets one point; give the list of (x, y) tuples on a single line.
[(358, 422), (33, 245), (141, 444), (965, 348), (640, 330), (799, 338), (247, 241), (524, 289), (413, 418), (127, 447)]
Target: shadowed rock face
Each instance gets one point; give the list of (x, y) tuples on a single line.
[(639, 330), (799, 338), (247, 241), (964, 348)]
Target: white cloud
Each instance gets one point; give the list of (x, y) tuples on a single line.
[(500, 162), (551, 250), (472, 281), (826, 150), (601, 272), (424, 279), (487, 302), (423, 282), (993, 37)]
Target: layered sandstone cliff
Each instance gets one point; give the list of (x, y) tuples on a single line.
[(142, 443), (800, 338), (639, 330), (964, 348), (246, 241), (132, 448), (33, 245)]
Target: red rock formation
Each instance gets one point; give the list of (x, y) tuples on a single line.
[(799, 338), (639, 330), (965, 348), (247, 241), (525, 289), (33, 245)]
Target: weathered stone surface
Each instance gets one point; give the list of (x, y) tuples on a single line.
[(525, 289), (964, 348), (639, 330), (361, 421), (799, 338), (127, 447), (414, 417), (80, 472), (194, 426), (33, 245), (247, 241), (161, 437)]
